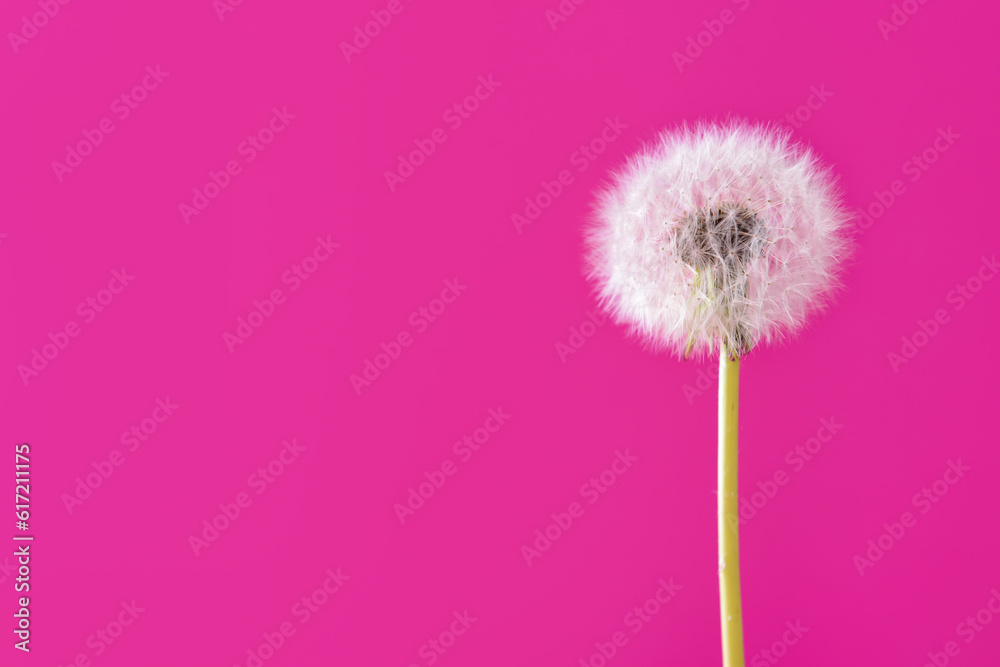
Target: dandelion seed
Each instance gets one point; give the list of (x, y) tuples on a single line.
[(702, 183)]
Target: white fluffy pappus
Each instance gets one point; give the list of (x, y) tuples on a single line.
[(718, 234)]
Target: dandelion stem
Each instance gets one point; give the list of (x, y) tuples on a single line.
[(729, 544)]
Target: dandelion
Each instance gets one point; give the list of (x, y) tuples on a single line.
[(719, 237)]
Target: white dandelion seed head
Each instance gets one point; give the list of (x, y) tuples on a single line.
[(718, 235)]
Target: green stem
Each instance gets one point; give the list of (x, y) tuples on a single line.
[(729, 543)]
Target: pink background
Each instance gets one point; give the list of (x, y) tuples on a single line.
[(497, 346)]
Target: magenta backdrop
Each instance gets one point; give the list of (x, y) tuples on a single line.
[(249, 445)]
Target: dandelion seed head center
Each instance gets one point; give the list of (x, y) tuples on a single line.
[(718, 237)]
